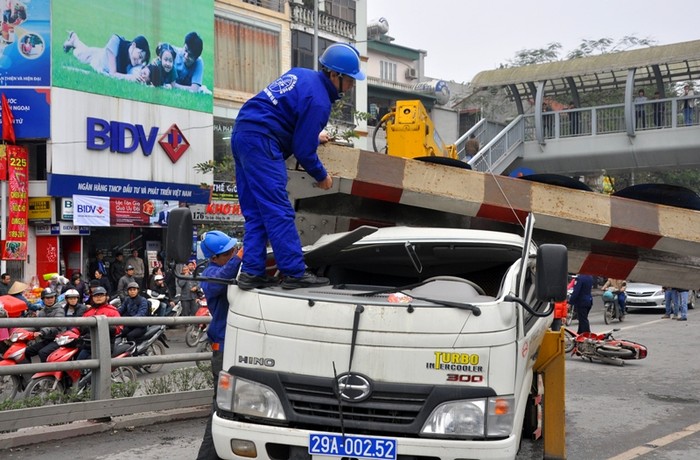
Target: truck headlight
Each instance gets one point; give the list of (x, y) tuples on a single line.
[(246, 397), (472, 418)]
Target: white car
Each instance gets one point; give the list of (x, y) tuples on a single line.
[(645, 295)]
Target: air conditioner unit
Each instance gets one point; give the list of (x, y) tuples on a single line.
[(411, 73)]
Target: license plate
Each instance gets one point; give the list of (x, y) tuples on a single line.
[(335, 445)]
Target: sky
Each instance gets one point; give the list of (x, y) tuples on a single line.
[(464, 37)]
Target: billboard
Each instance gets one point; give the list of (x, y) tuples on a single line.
[(159, 52), (25, 65)]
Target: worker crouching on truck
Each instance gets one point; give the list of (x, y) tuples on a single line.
[(224, 263), (285, 119)]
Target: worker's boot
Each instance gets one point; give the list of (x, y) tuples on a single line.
[(246, 281), (308, 279)]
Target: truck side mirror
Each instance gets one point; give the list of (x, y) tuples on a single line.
[(551, 274), (178, 242)]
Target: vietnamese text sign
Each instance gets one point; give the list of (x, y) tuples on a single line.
[(15, 247)]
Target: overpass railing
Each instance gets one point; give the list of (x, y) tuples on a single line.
[(609, 119), (101, 405)]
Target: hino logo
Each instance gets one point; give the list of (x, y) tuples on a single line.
[(255, 361), (354, 387)]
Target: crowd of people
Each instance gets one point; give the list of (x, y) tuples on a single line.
[(172, 67)]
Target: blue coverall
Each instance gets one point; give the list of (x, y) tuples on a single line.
[(282, 120)]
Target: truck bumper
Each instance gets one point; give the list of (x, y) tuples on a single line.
[(224, 431)]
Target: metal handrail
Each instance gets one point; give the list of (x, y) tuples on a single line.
[(101, 347), (492, 154)]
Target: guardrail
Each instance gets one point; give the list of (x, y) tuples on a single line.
[(101, 405)]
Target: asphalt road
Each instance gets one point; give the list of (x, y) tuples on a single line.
[(647, 409)]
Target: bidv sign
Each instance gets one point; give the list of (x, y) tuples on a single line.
[(123, 137)]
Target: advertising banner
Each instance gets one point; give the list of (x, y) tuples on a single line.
[(120, 212), (160, 52), (91, 210), (31, 109), (25, 65), (15, 247), (24, 48)]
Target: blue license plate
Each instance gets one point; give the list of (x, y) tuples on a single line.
[(335, 445)]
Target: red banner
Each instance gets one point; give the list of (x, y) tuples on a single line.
[(127, 212), (15, 247)]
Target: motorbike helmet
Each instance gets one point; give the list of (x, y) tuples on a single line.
[(48, 292), (344, 59), (72, 294), (158, 278), (216, 242), (99, 290), (133, 284), (608, 296)]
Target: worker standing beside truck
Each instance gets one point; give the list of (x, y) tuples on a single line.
[(224, 263), (285, 119)]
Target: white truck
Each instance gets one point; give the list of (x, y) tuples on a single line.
[(421, 348)]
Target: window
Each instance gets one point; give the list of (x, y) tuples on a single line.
[(303, 49), (343, 9), (387, 71), (247, 55)]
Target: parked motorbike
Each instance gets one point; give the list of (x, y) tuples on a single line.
[(152, 343), (602, 347), (12, 385), (611, 307), (196, 331)]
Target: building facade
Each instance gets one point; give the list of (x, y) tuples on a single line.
[(114, 143)]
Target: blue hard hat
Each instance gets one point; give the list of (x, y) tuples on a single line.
[(215, 243), (344, 59)]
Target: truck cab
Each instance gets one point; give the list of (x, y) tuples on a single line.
[(422, 347)]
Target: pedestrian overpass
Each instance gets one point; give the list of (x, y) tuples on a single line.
[(627, 136)]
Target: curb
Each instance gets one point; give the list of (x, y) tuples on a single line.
[(39, 434)]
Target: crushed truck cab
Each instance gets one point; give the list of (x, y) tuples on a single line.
[(422, 347)]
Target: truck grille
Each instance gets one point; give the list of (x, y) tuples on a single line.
[(396, 408)]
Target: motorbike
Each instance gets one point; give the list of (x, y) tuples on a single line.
[(12, 385), (602, 347), (152, 343), (154, 303), (43, 384), (611, 307), (196, 331)]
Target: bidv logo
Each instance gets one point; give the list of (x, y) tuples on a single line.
[(89, 209), (123, 137)]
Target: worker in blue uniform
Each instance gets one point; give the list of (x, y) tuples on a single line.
[(285, 119), (224, 262)]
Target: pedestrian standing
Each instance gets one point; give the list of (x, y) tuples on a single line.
[(582, 300), (188, 292), (139, 267)]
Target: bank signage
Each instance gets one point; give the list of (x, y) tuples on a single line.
[(67, 185)]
